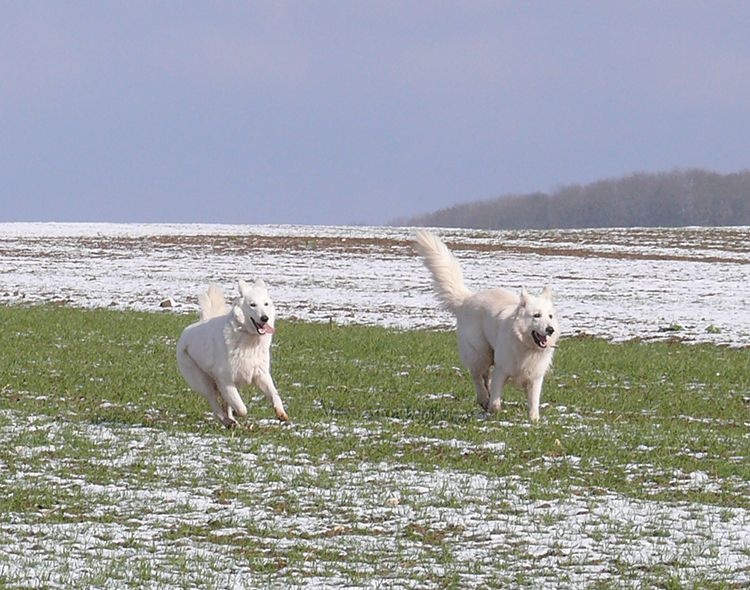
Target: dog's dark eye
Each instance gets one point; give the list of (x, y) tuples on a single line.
[(252, 305), (538, 315), (550, 316)]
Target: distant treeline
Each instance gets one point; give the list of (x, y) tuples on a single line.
[(669, 199)]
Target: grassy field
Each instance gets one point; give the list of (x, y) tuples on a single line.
[(113, 474)]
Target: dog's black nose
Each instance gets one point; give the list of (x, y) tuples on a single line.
[(550, 330), (264, 319)]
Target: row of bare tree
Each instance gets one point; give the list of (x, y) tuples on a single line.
[(668, 199)]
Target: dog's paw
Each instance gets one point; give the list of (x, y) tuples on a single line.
[(230, 423), (494, 407), (281, 415)]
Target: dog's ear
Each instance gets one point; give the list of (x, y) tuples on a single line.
[(244, 288), (260, 284), (524, 297), (237, 314), (547, 293)]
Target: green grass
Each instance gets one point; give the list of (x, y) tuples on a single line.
[(380, 471)]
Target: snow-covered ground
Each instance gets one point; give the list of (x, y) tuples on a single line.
[(689, 283)]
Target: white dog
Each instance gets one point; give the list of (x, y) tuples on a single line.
[(229, 347), (515, 333)]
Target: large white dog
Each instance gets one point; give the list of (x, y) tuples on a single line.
[(515, 333), (230, 347)]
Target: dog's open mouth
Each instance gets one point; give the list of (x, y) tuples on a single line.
[(539, 339), (263, 328)]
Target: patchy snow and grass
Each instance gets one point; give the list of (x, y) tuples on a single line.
[(196, 511), (388, 475), (687, 283)]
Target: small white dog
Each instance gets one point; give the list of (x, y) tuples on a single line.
[(515, 333), (230, 347)]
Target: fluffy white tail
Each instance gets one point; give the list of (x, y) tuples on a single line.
[(446, 272), (212, 302)]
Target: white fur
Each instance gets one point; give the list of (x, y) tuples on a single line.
[(230, 347), (502, 336)]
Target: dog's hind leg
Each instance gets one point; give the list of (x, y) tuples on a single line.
[(481, 382), (265, 383), (232, 398), (479, 363), (200, 381), (477, 357), (224, 416)]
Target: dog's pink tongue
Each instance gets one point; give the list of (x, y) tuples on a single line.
[(268, 329)]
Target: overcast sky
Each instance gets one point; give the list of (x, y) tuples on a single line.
[(339, 112)]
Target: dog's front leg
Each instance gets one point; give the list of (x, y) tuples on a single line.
[(534, 393), (265, 383)]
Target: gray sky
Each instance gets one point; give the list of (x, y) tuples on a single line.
[(355, 112)]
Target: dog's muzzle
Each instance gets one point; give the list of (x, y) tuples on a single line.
[(263, 328), (541, 339)]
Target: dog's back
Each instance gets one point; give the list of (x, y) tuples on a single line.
[(212, 303)]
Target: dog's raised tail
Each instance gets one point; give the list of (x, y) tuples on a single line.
[(443, 265), (212, 302)]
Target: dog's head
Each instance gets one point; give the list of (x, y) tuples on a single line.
[(538, 324), (253, 309)]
